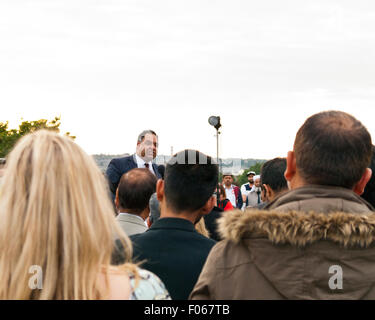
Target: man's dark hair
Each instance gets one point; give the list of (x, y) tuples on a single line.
[(228, 175), (332, 148), (272, 174), (190, 180), (369, 193), (135, 189), (142, 135)]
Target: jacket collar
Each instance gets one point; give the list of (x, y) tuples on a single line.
[(317, 191), (173, 223), (128, 217), (298, 228)]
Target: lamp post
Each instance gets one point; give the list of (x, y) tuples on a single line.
[(215, 122)]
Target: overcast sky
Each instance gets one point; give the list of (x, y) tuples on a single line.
[(112, 68)]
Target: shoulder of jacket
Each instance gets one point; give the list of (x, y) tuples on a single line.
[(221, 251)]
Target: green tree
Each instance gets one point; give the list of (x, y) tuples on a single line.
[(9, 137), (241, 179)]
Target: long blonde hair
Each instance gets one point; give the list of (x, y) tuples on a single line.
[(200, 226), (55, 213)]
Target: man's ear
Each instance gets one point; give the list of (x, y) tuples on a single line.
[(291, 166), (137, 147), (209, 205), (269, 192), (359, 188), (160, 189)]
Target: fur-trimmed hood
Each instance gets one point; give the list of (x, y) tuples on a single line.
[(299, 228), (314, 242), (293, 255)]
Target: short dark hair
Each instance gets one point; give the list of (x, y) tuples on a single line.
[(190, 180), (228, 175), (272, 174), (135, 189), (142, 135), (332, 148)]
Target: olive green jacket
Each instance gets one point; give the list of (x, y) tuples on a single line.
[(314, 243)]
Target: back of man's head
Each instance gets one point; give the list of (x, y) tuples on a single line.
[(190, 180), (332, 148), (135, 189), (272, 174)]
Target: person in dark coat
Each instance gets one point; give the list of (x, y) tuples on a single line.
[(147, 148), (172, 248), (223, 204)]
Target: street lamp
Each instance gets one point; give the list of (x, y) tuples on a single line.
[(215, 122)]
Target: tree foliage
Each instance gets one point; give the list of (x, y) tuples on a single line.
[(241, 179), (9, 137)]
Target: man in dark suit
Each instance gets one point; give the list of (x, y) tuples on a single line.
[(172, 248), (147, 147)]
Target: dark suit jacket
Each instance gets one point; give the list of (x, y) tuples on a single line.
[(175, 252), (117, 167)]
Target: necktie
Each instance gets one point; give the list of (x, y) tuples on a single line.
[(147, 165), (258, 197)]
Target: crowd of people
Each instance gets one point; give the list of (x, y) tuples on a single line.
[(302, 228)]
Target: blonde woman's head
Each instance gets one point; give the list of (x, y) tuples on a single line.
[(55, 213)]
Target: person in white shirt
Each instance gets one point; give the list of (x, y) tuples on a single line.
[(132, 200), (246, 187), (254, 197), (233, 193)]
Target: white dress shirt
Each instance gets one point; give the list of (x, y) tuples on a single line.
[(141, 163), (231, 196), (133, 215)]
